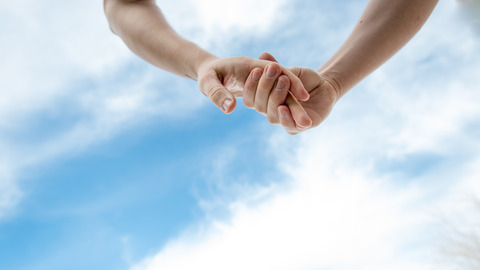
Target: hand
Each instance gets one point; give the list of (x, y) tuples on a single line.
[(223, 79), (281, 107)]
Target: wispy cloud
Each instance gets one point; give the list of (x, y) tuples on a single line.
[(68, 83), (349, 200), (344, 200), (63, 70), (217, 25)]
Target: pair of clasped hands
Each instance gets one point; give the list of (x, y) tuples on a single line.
[(296, 98)]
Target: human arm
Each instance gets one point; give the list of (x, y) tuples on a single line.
[(281, 107), (383, 29), (143, 28)]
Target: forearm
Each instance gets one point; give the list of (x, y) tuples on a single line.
[(141, 25), (383, 29)]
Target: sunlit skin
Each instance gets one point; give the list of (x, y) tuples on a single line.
[(296, 98), (383, 29), (143, 28), (281, 107)]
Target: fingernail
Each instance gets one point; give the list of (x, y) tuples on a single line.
[(302, 128), (305, 127), (256, 76), (226, 104), (281, 84), (283, 114), (271, 71)]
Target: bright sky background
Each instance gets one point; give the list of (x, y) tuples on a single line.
[(109, 163)]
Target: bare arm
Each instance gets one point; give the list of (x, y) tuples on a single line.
[(143, 28), (383, 29)]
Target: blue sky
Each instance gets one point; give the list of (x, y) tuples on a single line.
[(109, 163)]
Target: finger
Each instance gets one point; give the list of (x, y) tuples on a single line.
[(265, 86), (250, 88), (218, 94), (297, 88), (277, 98), (268, 57), (286, 120), (299, 115)]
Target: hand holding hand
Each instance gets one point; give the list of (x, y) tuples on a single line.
[(223, 79), (269, 96)]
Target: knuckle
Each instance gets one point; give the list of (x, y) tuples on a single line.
[(275, 101), (243, 61), (278, 96), (215, 94), (297, 71)]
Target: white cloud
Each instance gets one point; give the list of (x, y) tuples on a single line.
[(350, 202), (335, 211), (320, 223), (9, 193), (47, 48), (216, 25), (242, 17), (59, 60)]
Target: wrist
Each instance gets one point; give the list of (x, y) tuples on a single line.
[(198, 61), (334, 82)]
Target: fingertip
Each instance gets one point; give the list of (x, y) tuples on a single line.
[(286, 119), (229, 105), (283, 82), (272, 70), (247, 103), (282, 111), (302, 120), (298, 90), (303, 94), (305, 124), (267, 56), (256, 74)]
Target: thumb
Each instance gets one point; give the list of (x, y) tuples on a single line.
[(219, 94)]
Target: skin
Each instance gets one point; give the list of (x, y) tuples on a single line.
[(143, 28), (383, 29)]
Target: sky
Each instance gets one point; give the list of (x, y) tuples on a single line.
[(109, 163)]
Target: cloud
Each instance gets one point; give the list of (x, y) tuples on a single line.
[(354, 196), (470, 10), (9, 193), (46, 50), (248, 17), (322, 222), (67, 83), (45, 56), (216, 25), (345, 201)]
